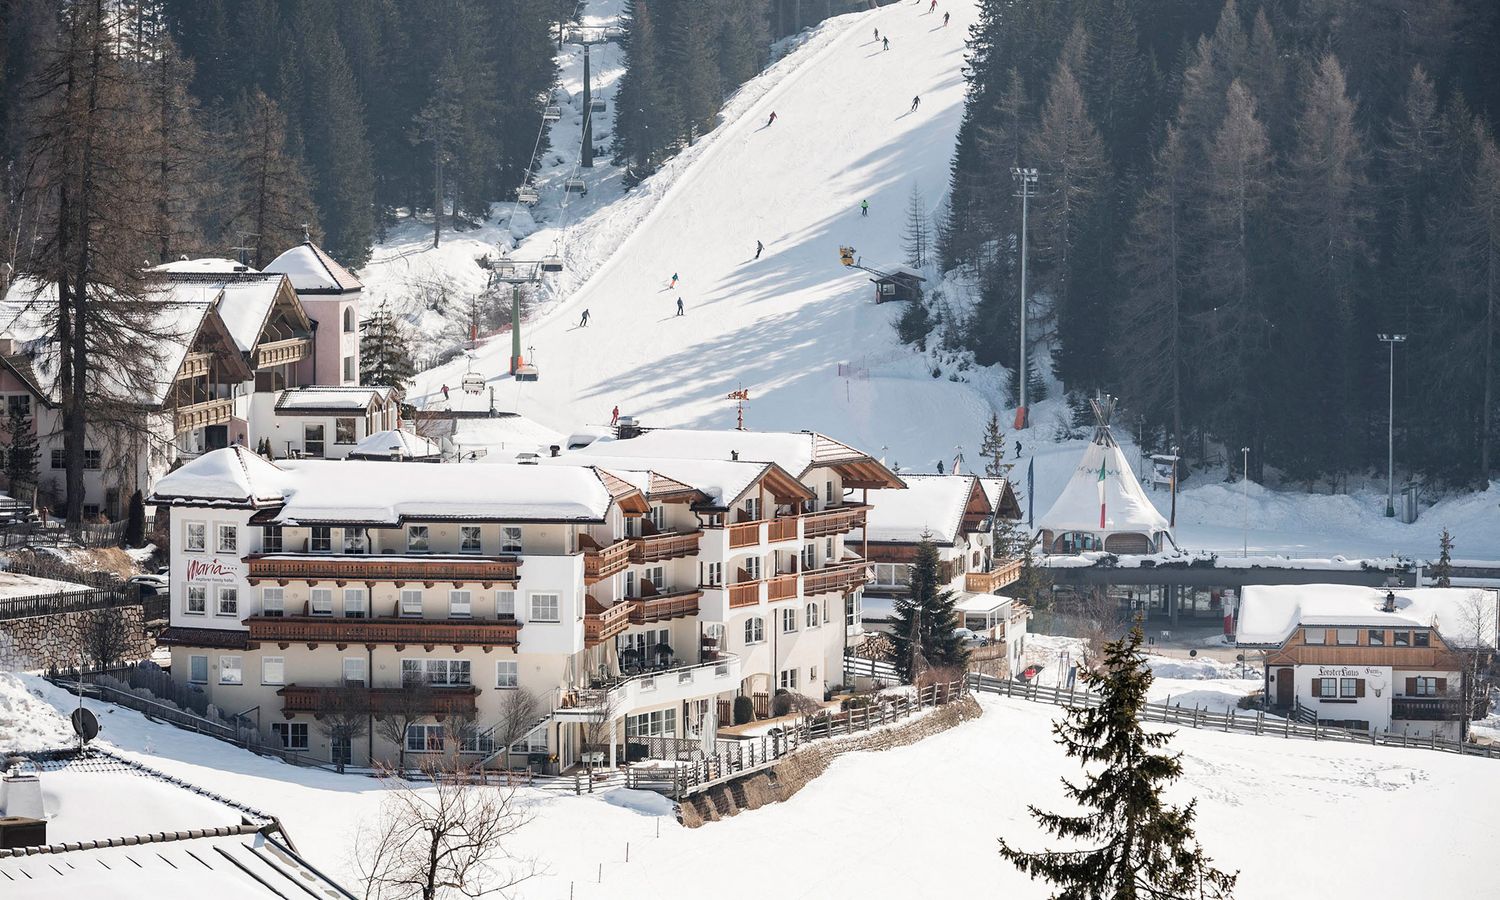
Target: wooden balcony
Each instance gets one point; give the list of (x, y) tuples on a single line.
[(841, 578), (319, 701), (1426, 709), (429, 570), (201, 415), (605, 624), (601, 563), (746, 593), (314, 630), (665, 606), (839, 520), (194, 365), (782, 587), (782, 529), (1002, 574), (277, 353), (671, 545), (744, 534)]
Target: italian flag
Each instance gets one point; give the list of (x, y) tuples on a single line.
[(1101, 493)]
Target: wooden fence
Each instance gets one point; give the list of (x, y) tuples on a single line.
[(34, 534), (879, 669), (1242, 721)]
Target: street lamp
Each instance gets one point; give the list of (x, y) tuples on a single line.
[(1026, 178), (1245, 498), (1391, 340)]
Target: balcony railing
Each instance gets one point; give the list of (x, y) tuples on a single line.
[(599, 564), (782, 529), (782, 587), (666, 606), (320, 701), (486, 570), (839, 520), (600, 627), (194, 365), (657, 547), (401, 632), (841, 577), (201, 415), (276, 353), (989, 582), (745, 534), (1428, 709), (746, 593)]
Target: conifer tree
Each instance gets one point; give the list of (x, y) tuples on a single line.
[(992, 448), (1441, 572), (384, 353), (270, 192), (135, 521), (1135, 845), (924, 622), (918, 239), (21, 454)]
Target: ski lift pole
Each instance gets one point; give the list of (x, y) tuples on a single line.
[(515, 327)]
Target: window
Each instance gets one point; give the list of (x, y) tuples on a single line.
[(788, 620), (752, 567), (270, 539), (229, 600), (411, 602), (752, 509), (630, 585), (417, 538), (828, 556), (852, 610), (787, 680), (321, 600), (535, 742), (293, 734), (656, 575), (18, 404), (713, 574), (356, 603), (349, 373), (1325, 687), (92, 459), (472, 740), (91, 511), (272, 601), (341, 746), (228, 538), (505, 604), (312, 439), (661, 723), (460, 605), (468, 539), (1314, 636), (424, 738), (658, 517), (197, 599), (812, 675), (507, 674), (229, 670), (892, 575), (343, 431), (544, 608), (198, 669), (828, 491), (1377, 637), (755, 630), (58, 460), (354, 670), (348, 320), (436, 672), (1425, 687), (1348, 636), (322, 539), (1420, 639), (1401, 638), (809, 556), (510, 539), (812, 616), (356, 541), (195, 537), (273, 670)]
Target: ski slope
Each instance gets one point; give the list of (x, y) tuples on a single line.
[(781, 325)]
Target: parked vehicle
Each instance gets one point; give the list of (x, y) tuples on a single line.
[(971, 638)]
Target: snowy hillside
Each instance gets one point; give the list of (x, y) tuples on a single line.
[(924, 818)]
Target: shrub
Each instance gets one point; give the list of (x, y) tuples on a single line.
[(744, 710)]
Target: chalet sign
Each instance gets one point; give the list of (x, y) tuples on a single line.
[(212, 570), (1367, 672)]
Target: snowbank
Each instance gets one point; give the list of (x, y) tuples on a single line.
[(27, 722)]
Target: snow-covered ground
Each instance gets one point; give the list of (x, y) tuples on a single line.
[(924, 818), (1191, 682)]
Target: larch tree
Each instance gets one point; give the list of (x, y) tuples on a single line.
[(1483, 249), (918, 240), (271, 189), (1135, 845), (437, 126)]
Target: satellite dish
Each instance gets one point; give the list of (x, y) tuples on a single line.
[(85, 724)]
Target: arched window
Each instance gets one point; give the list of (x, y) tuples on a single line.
[(812, 615), (348, 320), (755, 630)]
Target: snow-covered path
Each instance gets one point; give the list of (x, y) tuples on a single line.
[(778, 326)]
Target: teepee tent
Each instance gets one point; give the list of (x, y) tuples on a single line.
[(1103, 507)]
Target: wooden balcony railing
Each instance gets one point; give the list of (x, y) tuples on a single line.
[(194, 365), (201, 415), (839, 520), (746, 593), (485, 634), (1426, 709), (320, 701), (745, 534), (989, 582), (276, 353), (599, 564), (671, 545), (600, 627), (841, 577), (782, 529), (782, 587), (665, 606), (486, 570)]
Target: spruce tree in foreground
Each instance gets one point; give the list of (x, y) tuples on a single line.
[(21, 455), (925, 619), (1442, 570), (384, 355), (1132, 845)]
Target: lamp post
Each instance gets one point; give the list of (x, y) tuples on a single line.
[(1245, 498), (1391, 340), (1173, 521), (1026, 178)]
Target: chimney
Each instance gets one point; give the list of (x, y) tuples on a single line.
[(23, 796), (626, 428), (1390, 602), (556, 450)]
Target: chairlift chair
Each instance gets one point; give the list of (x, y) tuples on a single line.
[(473, 383), (596, 105), (551, 113), (552, 264), (576, 186), (527, 194)]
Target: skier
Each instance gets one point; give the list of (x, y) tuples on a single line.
[(877, 34), (886, 42), (614, 416), (772, 119), (933, 7), (584, 321), (445, 392), (945, 19), (679, 306), (940, 467), (759, 247), (864, 207), (674, 280), (915, 102), (1018, 449)]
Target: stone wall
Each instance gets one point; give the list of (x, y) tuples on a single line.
[(57, 640), (793, 773)]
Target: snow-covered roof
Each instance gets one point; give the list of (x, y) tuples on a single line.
[(794, 451), (208, 265), (245, 298), (981, 603), (314, 271), (394, 444), (930, 504), (1127, 509), (722, 481), (1268, 614), (387, 493), (995, 490), (331, 399)]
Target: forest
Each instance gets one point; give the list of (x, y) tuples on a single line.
[(1233, 202)]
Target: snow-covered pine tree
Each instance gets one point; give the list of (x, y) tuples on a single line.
[(925, 619), (1134, 845), (21, 455), (1442, 570), (384, 356), (1006, 539)]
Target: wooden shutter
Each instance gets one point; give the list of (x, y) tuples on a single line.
[(1442, 685), (1411, 687), (1317, 687), (1359, 687)]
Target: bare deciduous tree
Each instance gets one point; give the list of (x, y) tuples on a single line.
[(519, 712), (344, 714), (412, 705)]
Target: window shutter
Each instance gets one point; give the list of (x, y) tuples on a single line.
[(1411, 687), (1317, 686), (1442, 685), (1359, 687)]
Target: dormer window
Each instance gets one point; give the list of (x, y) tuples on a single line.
[(417, 539)]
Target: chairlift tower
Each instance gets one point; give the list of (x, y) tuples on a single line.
[(586, 36), (1026, 178), (516, 272)]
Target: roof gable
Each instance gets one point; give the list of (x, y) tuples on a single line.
[(313, 271)]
